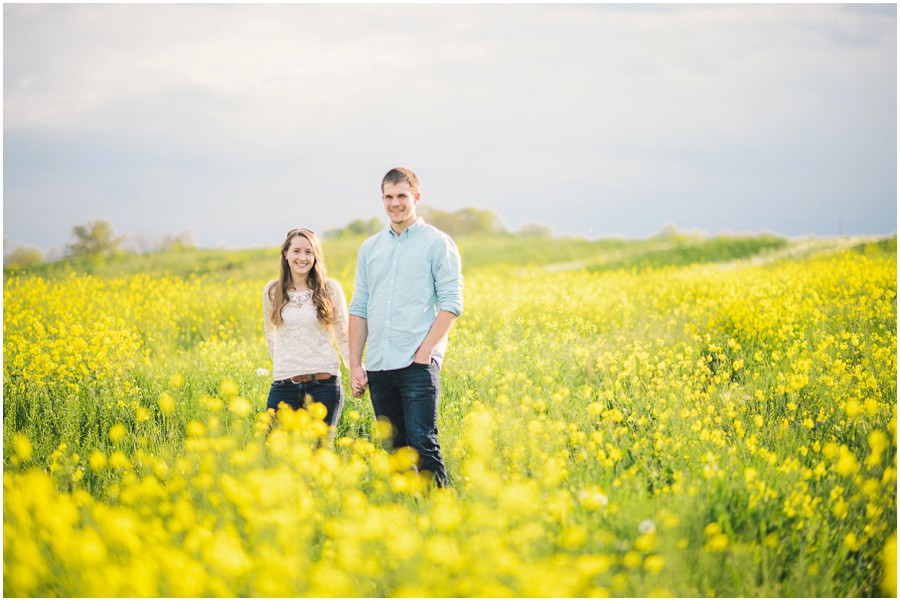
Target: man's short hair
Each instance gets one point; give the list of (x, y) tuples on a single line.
[(399, 175)]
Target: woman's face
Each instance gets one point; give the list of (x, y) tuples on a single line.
[(300, 256)]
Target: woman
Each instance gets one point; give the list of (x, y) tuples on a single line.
[(305, 314)]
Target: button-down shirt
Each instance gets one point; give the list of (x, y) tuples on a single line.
[(402, 282)]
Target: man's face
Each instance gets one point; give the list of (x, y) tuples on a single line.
[(399, 204)]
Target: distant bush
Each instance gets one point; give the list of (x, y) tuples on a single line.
[(536, 230), (357, 227), (178, 242), (22, 256), (885, 246)]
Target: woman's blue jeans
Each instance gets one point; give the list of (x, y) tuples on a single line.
[(408, 397), (328, 392)]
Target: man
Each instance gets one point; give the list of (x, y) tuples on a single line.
[(407, 295)]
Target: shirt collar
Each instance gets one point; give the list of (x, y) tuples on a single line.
[(410, 230)]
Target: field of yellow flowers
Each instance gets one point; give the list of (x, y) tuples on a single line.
[(708, 429)]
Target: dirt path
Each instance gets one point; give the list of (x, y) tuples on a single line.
[(796, 248)]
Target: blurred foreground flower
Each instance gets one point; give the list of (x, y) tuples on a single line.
[(240, 406), (22, 446), (116, 433), (889, 560), (166, 403), (228, 388)]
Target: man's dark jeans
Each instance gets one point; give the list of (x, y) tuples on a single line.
[(409, 398)]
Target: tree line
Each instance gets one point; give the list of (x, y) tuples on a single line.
[(463, 222), (97, 240)]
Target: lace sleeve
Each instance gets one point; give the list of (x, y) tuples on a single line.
[(268, 326), (341, 321)]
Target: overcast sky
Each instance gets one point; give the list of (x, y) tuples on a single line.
[(238, 122)]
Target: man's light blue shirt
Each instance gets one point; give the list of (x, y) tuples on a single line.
[(402, 282)]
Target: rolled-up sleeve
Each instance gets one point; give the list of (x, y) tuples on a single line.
[(448, 278), (359, 303)]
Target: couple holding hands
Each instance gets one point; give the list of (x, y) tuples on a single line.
[(407, 294)]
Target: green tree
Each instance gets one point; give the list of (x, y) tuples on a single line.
[(468, 221), (357, 227), (96, 239)]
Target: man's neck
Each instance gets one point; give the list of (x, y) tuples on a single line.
[(399, 228)]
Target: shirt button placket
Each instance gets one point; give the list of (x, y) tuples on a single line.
[(394, 267), (392, 290)]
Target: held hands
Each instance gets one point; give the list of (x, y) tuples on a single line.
[(358, 381)]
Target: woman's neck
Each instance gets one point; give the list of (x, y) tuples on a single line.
[(298, 285)]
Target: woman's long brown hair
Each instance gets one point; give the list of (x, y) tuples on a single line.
[(315, 279)]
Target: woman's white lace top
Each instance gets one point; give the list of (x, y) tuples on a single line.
[(302, 345)]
